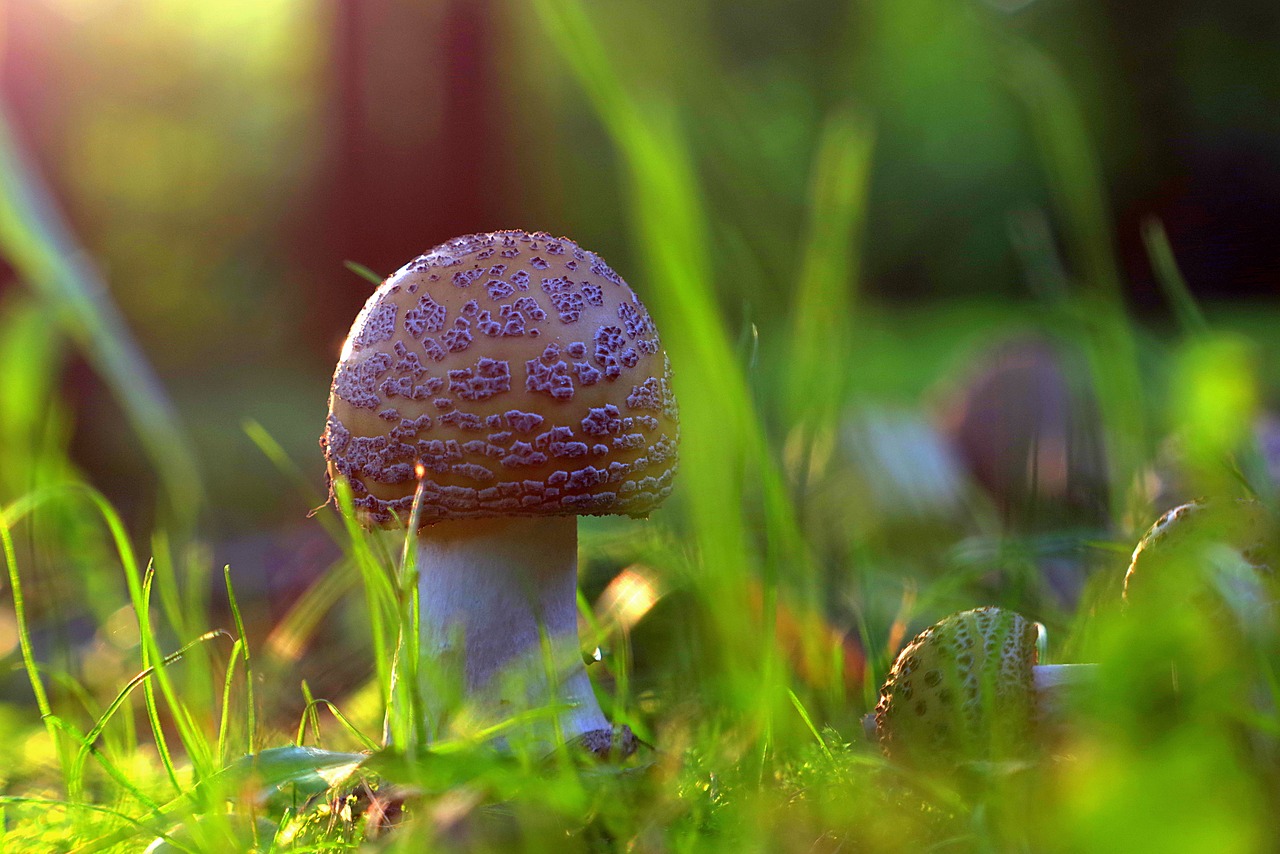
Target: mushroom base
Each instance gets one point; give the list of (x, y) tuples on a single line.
[(499, 617)]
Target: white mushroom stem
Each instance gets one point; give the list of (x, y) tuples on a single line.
[(1054, 686), (499, 622)]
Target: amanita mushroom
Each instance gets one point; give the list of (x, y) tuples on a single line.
[(518, 382), (968, 688), (1219, 548)]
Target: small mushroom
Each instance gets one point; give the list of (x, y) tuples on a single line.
[(1024, 423), (1220, 549), (513, 381), (968, 689), (1200, 620)]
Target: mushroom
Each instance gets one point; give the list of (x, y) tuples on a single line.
[(1204, 577), (1225, 550), (1026, 427), (513, 381), (968, 688)]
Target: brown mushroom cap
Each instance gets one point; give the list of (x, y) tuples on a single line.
[(519, 371), (1175, 558), (963, 689)]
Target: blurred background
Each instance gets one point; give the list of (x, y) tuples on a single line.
[(960, 295), (1019, 178)]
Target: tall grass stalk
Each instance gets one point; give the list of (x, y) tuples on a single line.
[(379, 589), (251, 706), (1245, 465), (8, 516), (143, 613), (178, 613), (1075, 180), (34, 426), (224, 717), (823, 316), (407, 725), (1176, 291), (723, 445), (35, 239), (826, 286)]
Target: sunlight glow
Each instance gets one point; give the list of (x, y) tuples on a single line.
[(121, 628), (629, 596), (8, 634)]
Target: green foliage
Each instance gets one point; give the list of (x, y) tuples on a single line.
[(781, 581), (37, 242)]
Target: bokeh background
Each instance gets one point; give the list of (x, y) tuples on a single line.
[(220, 162), (1000, 176), (960, 296)]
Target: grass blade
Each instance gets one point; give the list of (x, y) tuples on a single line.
[(115, 773), (407, 725), (379, 587), (290, 636), (7, 517), (149, 693), (808, 722), (363, 272), (36, 240), (1175, 287), (91, 737), (224, 721), (829, 269), (1076, 182), (312, 704), (251, 735), (309, 716), (723, 445), (278, 457)]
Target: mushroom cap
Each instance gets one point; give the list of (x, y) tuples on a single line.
[(1177, 555), (962, 690), (1027, 430), (515, 373)]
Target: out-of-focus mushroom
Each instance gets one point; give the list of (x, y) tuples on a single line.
[(969, 689), (513, 381), (1200, 620), (1222, 552), (1024, 423)]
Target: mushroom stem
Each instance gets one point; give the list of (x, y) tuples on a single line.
[(499, 614), (1056, 678), (1055, 683)]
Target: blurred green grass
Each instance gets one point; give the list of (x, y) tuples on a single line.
[(772, 566)]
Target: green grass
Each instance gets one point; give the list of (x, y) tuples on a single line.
[(772, 566), (39, 245)]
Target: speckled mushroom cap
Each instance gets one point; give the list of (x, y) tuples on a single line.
[(520, 372), (963, 689), (1171, 560)]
